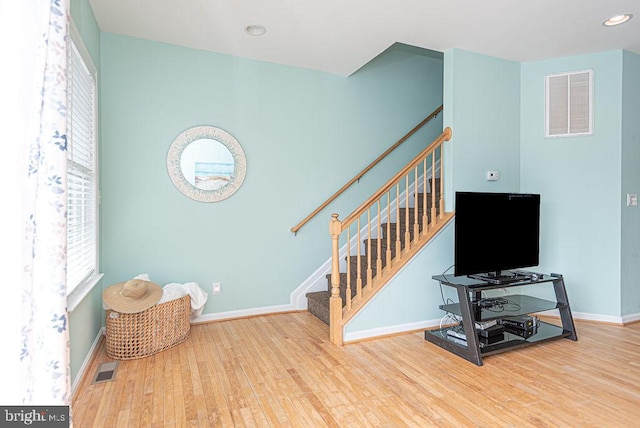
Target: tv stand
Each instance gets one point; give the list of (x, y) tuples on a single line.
[(472, 308)]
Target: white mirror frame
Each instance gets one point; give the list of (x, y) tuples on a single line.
[(212, 133)]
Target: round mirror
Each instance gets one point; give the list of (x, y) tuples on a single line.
[(206, 163)]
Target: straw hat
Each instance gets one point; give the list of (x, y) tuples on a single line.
[(135, 295)]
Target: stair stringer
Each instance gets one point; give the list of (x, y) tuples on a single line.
[(317, 281)]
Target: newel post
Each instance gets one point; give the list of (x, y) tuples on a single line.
[(335, 302)]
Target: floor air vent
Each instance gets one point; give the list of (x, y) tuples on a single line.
[(106, 372)]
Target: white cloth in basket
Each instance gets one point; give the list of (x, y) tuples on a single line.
[(175, 290)]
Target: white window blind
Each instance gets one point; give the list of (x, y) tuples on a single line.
[(81, 171), (569, 104)]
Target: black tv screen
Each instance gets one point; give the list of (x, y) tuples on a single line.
[(495, 232)]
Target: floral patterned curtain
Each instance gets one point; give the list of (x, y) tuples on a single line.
[(45, 338)]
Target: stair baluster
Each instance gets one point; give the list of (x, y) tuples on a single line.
[(388, 229), (348, 290), (398, 213), (379, 245), (425, 216), (433, 186), (407, 228), (358, 262)]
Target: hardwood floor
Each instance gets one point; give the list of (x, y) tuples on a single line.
[(282, 371)]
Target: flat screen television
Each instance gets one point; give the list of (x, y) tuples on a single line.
[(495, 232)]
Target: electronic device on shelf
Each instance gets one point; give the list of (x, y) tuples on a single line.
[(489, 332), (496, 330), (494, 233), (483, 325), (490, 339), (524, 325), (491, 302), (493, 335), (522, 322), (459, 334)]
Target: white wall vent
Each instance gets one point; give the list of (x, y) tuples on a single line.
[(569, 104)]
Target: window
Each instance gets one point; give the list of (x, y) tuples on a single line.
[(569, 99), (82, 212)]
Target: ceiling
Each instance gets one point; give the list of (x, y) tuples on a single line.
[(340, 36)]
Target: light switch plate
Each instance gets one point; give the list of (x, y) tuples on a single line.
[(632, 199)]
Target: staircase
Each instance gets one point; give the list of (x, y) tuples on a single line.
[(383, 234), (318, 302)]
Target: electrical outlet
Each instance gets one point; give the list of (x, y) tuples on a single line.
[(493, 175), (632, 199), (216, 288)]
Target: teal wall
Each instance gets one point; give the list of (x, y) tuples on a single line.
[(482, 95), (630, 266), (579, 182), (483, 100), (481, 105), (496, 110), (85, 321), (304, 133), (85, 22)]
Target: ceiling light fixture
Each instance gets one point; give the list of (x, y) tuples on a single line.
[(617, 19), (255, 30)]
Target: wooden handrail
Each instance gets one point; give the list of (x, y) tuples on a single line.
[(445, 136), (365, 170)]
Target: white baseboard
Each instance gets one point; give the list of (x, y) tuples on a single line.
[(627, 319), (389, 330), (87, 361), (586, 316), (243, 313)]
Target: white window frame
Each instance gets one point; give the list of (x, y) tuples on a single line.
[(79, 291), (547, 105)]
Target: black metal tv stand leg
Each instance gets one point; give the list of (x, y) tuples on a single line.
[(473, 353), (563, 304)]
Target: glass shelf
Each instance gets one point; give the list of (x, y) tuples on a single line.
[(544, 331), (518, 304)]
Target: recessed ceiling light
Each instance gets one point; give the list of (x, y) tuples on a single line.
[(617, 19), (255, 30)]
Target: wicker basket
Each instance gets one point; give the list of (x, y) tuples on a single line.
[(131, 336)]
